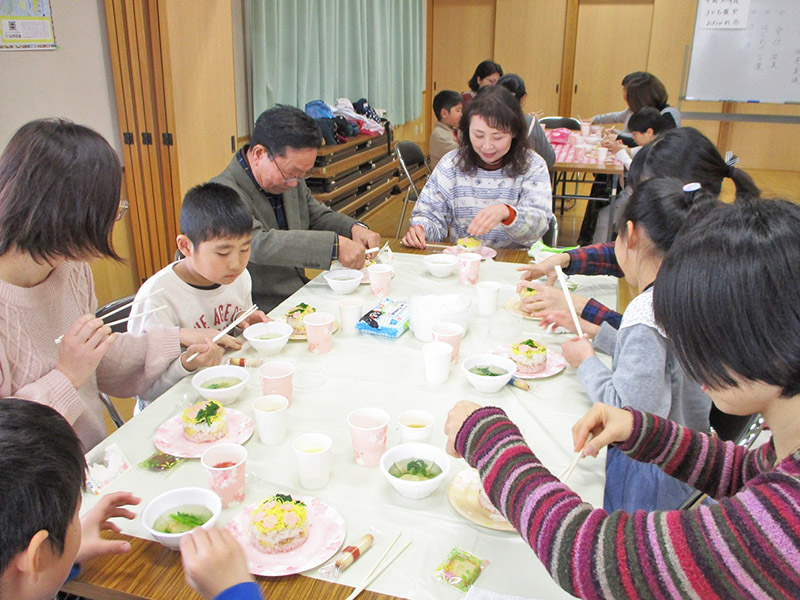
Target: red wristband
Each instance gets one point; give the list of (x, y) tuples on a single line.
[(511, 216)]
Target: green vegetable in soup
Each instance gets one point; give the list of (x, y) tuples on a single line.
[(219, 383), (415, 469), (489, 371), (182, 519)]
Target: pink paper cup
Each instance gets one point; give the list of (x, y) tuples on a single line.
[(449, 333), (586, 128), (469, 265), (319, 332), (225, 471), (368, 428), (276, 378), (380, 279)]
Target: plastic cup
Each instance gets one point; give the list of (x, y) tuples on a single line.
[(437, 361), (586, 128), (602, 154), (380, 279), (350, 311), (416, 426), (580, 153), (449, 333), (469, 265), (488, 291), (271, 418), (225, 471), (319, 332), (368, 430), (312, 452), (276, 378)]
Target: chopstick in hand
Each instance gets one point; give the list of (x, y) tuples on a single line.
[(563, 280), (60, 338), (568, 471), (217, 337)]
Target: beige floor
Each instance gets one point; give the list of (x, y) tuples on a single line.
[(783, 184)]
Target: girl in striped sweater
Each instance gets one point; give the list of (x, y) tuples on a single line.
[(726, 295)]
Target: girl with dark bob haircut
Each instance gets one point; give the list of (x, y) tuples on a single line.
[(59, 196), (726, 297), (492, 187), (483, 71)]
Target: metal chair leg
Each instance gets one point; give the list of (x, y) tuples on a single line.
[(402, 213)]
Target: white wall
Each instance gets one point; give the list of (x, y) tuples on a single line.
[(74, 81)]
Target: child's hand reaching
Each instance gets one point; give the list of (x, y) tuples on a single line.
[(97, 519), (213, 561), (208, 355), (257, 317), (577, 350), (607, 424), (545, 268), (562, 318), (199, 336), (83, 347)]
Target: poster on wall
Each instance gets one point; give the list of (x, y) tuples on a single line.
[(26, 25)]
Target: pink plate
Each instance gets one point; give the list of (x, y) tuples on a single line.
[(484, 251), (555, 363), (326, 530), (169, 436), (512, 305)]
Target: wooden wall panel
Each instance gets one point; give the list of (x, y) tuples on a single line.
[(529, 41), (613, 40)]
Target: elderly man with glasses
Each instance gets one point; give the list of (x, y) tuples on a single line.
[(292, 231)]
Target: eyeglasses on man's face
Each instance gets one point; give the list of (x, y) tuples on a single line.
[(286, 180)]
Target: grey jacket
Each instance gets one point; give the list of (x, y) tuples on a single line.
[(279, 257)]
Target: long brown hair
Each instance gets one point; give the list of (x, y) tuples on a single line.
[(501, 110), (59, 191)]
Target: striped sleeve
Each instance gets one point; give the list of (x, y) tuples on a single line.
[(746, 546)]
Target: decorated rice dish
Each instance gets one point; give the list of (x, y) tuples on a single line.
[(529, 356), (468, 244), (204, 421), (295, 317), (279, 524)]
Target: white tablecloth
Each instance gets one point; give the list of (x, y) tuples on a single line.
[(364, 370)]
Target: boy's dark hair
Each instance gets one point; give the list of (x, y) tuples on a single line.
[(483, 70), (514, 84), (43, 473), (726, 295), (213, 211), (662, 207), (445, 100), (282, 127), (501, 110), (647, 118), (59, 191), (645, 89), (690, 156)]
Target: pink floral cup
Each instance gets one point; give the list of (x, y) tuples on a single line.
[(319, 331), (368, 428), (469, 265), (225, 471), (380, 279)]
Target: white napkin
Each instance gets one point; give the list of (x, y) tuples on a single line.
[(475, 593)]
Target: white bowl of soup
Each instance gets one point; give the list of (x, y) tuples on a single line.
[(173, 514), (344, 281), (488, 373), (268, 338), (222, 383), (440, 265), (415, 469)]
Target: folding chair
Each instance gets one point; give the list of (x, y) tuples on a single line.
[(556, 122), (550, 237), (115, 415), (409, 155), (739, 429)]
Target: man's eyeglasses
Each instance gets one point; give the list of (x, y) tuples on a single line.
[(123, 208), (286, 180)]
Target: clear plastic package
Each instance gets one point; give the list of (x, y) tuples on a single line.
[(389, 319), (460, 569)]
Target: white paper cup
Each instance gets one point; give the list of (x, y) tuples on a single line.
[(487, 296), (271, 418), (415, 426), (449, 333), (469, 265), (350, 311), (586, 128), (437, 361), (368, 427), (602, 154), (276, 378), (312, 454), (380, 279), (319, 332)]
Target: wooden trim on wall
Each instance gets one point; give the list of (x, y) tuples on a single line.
[(427, 112), (568, 61)]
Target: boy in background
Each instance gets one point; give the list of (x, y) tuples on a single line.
[(210, 286), (644, 125), (447, 107), (44, 540)]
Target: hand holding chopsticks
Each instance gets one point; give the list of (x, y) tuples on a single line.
[(60, 338), (568, 471), (217, 337), (563, 280), (379, 567)]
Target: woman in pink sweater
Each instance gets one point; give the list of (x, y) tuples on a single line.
[(726, 296), (59, 198)]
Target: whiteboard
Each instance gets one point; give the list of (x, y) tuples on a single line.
[(753, 59)]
